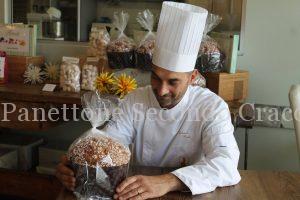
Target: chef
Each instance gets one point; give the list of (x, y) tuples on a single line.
[(172, 123)]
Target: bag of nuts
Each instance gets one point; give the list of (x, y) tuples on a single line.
[(70, 74), (100, 162), (89, 73), (120, 52), (210, 57), (145, 49)]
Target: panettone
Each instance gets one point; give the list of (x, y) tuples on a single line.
[(101, 150)]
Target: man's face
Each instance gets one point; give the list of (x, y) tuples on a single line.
[(169, 87)]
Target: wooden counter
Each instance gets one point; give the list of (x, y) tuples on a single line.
[(256, 185)]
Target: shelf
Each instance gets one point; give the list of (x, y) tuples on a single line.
[(29, 97), (34, 94)]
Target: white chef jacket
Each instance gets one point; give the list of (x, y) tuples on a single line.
[(197, 131)]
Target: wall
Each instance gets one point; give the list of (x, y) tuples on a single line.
[(55, 50), (272, 57)]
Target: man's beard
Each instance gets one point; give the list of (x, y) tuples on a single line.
[(168, 100), (165, 101)]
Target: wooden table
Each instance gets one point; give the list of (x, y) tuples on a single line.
[(256, 185)]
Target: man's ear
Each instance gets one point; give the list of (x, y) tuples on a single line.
[(193, 76)]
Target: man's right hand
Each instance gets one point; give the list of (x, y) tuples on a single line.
[(65, 174)]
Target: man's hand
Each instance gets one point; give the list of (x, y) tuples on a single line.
[(65, 174), (145, 187)]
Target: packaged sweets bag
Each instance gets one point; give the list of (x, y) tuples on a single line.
[(145, 49), (70, 74), (89, 73), (210, 57), (120, 52), (3, 68), (99, 39), (100, 162)]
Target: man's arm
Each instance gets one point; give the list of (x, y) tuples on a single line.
[(217, 166), (146, 187)]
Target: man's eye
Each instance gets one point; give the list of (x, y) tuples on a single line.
[(173, 82)]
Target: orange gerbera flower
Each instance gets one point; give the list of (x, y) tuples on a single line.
[(105, 83), (124, 85)]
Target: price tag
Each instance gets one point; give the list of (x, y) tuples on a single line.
[(49, 88), (92, 59), (72, 60)]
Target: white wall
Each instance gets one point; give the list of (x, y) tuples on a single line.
[(272, 56)]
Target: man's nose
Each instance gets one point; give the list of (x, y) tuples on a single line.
[(162, 90)]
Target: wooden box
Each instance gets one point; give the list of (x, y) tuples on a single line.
[(231, 87), (17, 66)]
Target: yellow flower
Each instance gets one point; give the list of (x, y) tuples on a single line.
[(105, 83), (124, 85)]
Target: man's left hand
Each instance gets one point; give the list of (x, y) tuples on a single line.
[(145, 187)]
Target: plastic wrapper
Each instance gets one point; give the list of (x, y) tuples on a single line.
[(210, 57), (3, 68), (99, 39), (120, 52), (89, 74), (70, 75), (145, 49), (199, 81), (100, 162)]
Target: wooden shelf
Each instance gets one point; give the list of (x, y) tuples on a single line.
[(34, 93), (32, 96)]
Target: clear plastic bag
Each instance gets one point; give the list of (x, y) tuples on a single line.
[(145, 49), (99, 161), (3, 67), (99, 39), (89, 73), (70, 75), (210, 57), (120, 51), (199, 81)]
